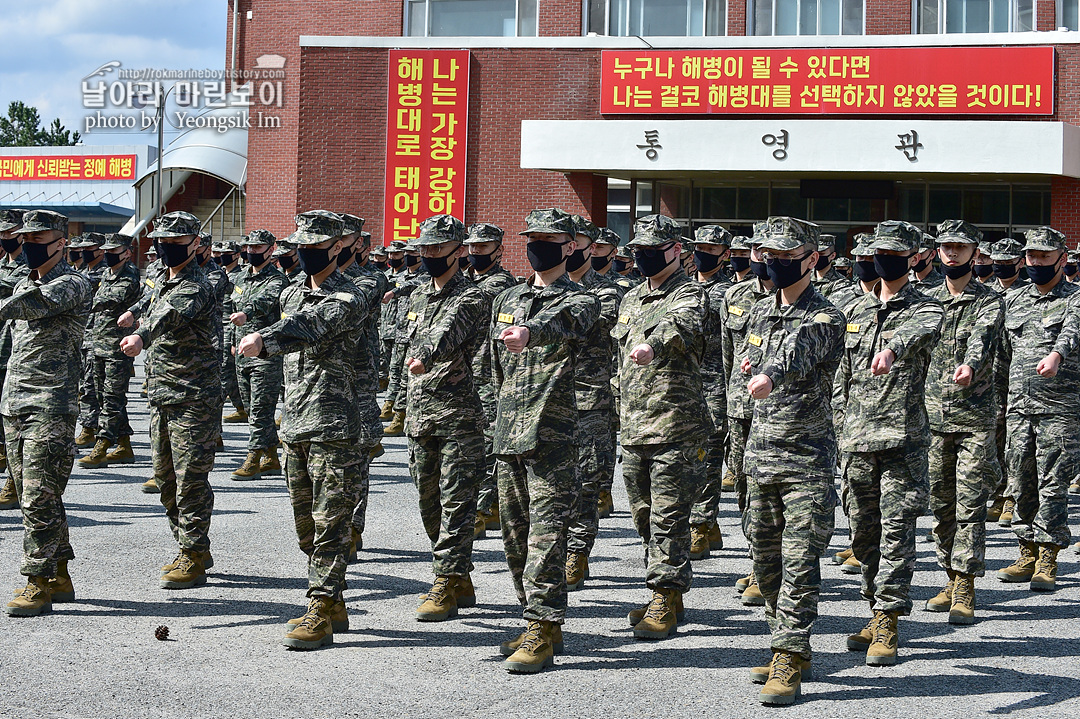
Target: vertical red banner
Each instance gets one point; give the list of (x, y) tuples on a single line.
[(427, 122)]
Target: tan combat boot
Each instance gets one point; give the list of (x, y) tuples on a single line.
[(33, 600), (491, 518), (1074, 488), (785, 678), (464, 592), (752, 596), (660, 619), (535, 651), (716, 538), (841, 557), (396, 427), (3, 457), (190, 571), (1007, 513), (60, 587), (699, 541), (377, 451), (743, 582), (479, 527), (962, 610), (383, 383), (150, 486), (604, 504), (760, 675), (859, 642), (97, 456), (9, 498), (355, 545), (851, 565), (577, 570), (944, 599), (439, 603), (1045, 576), (993, 512), (387, 411), (86, 438), (508, 648), (269, 465), (121, 453), (339, 617), (250, 468), (315, 628), (239, 416), (1024, 567), (727, 484), (636, 615), (208, 561), (882, 649)]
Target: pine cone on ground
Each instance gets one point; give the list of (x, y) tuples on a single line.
[(162, 633)]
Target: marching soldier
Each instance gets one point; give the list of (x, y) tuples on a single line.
[(924, 275), (12, 270), (826, 279), (412, 278), (396, 275), (89, 249)]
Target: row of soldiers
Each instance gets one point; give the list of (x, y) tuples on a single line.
[(518, 390)]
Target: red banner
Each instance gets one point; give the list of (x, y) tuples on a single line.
[(67, 167), (864, 81), (427, 123)]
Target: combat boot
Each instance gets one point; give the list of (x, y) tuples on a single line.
[(188, 572), (760, 675), (535, 651), (636, 615), (315, 628), (479, 527), (1045, 576), (1074, 488), (743, 582), (250, 468), (660, 619), (577, 570), (9, 498), (944, 599), (377, 451), (121, 454), (98, 455), (208, 561), (86, 438), (882, 649), (3, 457), (150, 486), (396, 427), (33, 600), (716, 539), (1024, 567), (841, 557), (387, 410), (60, 587), (269, 465), (752, 596), (1007, 513), (604, 505), (239, 416), (699, 541), (351, 553), (962, 610), (508, 648), (727, 484), (440, 602), (785, 678), (859, 642), (491, 519), (851, 565), (339, 617), (993, 512), (383, 383)]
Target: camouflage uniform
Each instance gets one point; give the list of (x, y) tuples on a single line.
[(89, 398), (886, 432), (833, 281), (388, 319), (230, 386), (791, 450), (963, 463), (12, 271), (933, 278), (396, 389), (663, 418), (47, 318)]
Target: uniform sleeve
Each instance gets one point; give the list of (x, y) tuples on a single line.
[(727, 341), (1069, 336), (340, 312), (684, 323), (456, 326), (264, 301), (813, 343), (178, 308), (34, 302), (569, 319), (921, 329), (982, 343)]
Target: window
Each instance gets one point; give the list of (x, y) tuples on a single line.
[(945, 16), (1069, 14), (488, 18), (681, 18), (808, 17)]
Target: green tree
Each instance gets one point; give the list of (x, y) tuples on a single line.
[(22, 128)]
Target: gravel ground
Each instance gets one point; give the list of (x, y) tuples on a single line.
[(98, 657)]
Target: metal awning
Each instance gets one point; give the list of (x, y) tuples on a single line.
[(207, 150)]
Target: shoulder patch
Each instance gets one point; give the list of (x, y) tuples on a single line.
[(149, 283), (737, 311), (754, 340), (852, 327), (624, 319), (342, 296), (508, 319), (823, 317), (411, 316), (624, 283)]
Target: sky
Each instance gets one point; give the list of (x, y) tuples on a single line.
[(49, 46)]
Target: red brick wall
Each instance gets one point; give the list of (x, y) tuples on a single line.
[(737, 23), (888, 17), (558, 18), (1045, 15)]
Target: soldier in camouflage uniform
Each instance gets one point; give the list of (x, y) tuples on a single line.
[(413, 277), (12, 270), (739, 259), (378, 258), (484, 242), (1007, 255), (1042, 322), (536, 332), (46, 311), (447, 318), (180, 332), (623, 265), (255, 307), (843, 268), (119, 288), (89, 248), (888, 340), (285, 259), (663, 418), (924, 276), (319, 333), (794, 342), (983, 268), (961, 403), (1071, 267), (396, 275), (711, 243), (826, 279)]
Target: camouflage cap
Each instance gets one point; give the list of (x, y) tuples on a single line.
[(740, 242), (116, 241), (42, 221), (862, 245), (586, 227), (550, 221), (206, 239), (896, 235), (92, 239), (258, 237), (483, 232), (789, 233), (176, 224), (226, 246), (958, 231), (927, 241), (10, 219), (284, 247), (712, 235), (316, 226), (365, 237), (76, 242), (1044, 239), (985, 248), (151, 250), (654, 231), (1008, 248), (438, 229), (842, 262), (353, 223), (624, 252), (397, 246), (1073, 256), (608, 237), (826, 242), (760, 230), (378, 251)]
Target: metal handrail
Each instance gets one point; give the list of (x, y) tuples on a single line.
[(209, 224)]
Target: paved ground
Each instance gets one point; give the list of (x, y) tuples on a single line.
[(98, 657)]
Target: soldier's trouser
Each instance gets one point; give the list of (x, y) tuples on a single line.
[(1000, 433), (259, 381), (963, 472), (793, 522), (3, 378), (1042, 454), (886, 493), (661, 483), (707, 503), (89, 401), (370, 434), (41, 451), (738, 434), (384, 359), (111, 377), (323, 479), (488, 494), (536, 496), (229, 386), (396, 389), (596, 462), (445, 472), (182, 438)]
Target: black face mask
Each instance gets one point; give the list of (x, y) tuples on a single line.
[(412, 260), (921, 265), (575, 261), (256, 258), (463, 263), (740, 264), (651, 261), (785, 273), (956, 272), (890, 267), (227, 258), (438, 266), (112, 259), (983, 271), (759, 270), (345, 255), (1070, 269), (544, 256), (174, 255), (865, 270), (1005, 271), (88, 256), (1042, 274), (380, 265), (620, 266), (599, 263), (706, 262), (822, 262), (37, 255), (396, 264), (481, 262), (286, 262), (202, 259), (10, 245), (313, 260)]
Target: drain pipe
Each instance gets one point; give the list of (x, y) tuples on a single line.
[(235, 22)]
